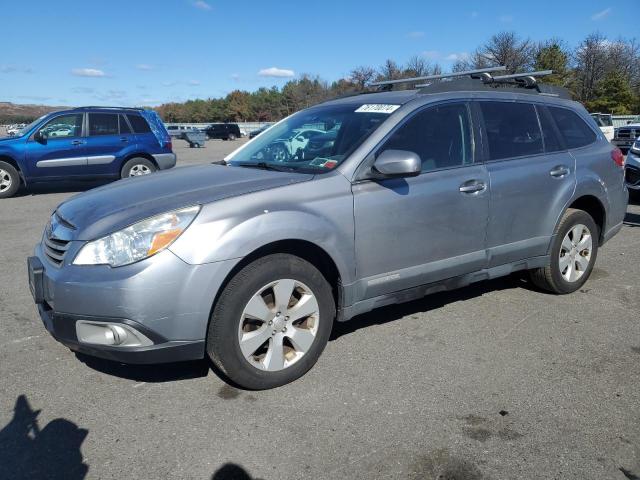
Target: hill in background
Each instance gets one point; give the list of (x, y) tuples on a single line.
[(15, 113)]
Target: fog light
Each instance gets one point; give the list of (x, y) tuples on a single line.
[(111, 334)]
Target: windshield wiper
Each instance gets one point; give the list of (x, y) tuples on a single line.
[(266, 166)]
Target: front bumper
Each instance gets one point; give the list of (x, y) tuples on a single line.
[(162, 297), (632, 171)]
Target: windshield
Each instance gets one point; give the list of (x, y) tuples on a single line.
[(31, 125), (314, 140)]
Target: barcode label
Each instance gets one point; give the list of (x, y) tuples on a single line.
[(377, 108)]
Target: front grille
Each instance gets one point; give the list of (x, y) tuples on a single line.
[(627, 133), (632, 176), (54, 248)]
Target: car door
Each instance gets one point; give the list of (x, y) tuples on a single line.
[(57, 149), (417, 230), (532, 178), (109, 137)]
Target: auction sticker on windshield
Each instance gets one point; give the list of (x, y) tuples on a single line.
[(377, 108)]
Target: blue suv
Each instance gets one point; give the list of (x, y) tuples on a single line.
[(85, 143)]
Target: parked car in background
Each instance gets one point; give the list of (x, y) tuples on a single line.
[(258, 131), (176, 131), (605, 123), (85, 143), (13, 130), (251, 263), (223, 131), (632, 168), (625, 136)]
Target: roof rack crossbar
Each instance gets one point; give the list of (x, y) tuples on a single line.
[(438, 77), (515, 76)]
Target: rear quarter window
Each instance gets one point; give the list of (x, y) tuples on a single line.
[(573, 128), (138, 124)]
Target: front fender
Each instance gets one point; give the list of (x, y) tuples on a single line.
[(236, 227)]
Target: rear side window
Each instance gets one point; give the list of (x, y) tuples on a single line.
[(103, 124), (551, 142), (441, 136), (512, 129), (138, 124), (124, 126), (574, 129)]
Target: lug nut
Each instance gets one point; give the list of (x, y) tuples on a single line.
[(284, 329), (278, 314), (270, 322)]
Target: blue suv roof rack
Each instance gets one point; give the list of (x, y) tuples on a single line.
[(99, 107)]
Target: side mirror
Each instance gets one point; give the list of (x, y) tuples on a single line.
[(398, 163), (40, 136)]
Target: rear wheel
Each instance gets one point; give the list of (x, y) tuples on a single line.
[(573, 254), (271, 322), (232, 136), (137, 167), (9, 180)]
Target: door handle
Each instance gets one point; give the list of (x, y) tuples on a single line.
[(473, 186), (559, 171), (77, 142)]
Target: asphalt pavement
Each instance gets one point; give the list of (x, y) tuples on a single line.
[(493, 381)]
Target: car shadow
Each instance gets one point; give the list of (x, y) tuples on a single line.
[(632, 219), (428, 303), (232, 471), (28, 451)]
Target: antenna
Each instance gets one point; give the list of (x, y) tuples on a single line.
[(472, 73)]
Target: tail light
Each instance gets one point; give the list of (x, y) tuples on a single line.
[(169, 145), (617, 157)]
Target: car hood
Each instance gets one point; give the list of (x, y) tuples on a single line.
[(107, 209)]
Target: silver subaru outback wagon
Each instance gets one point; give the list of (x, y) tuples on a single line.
[(385, 198)]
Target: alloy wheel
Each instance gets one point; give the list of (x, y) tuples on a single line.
[(5, 180), (138, 170), (575, 253), (278, 325)]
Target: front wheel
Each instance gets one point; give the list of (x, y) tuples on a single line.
[(137, 167), (9, 180), (573, 254), (271, 322)]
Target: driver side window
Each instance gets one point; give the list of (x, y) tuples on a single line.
[(64, 126), (440, 135)]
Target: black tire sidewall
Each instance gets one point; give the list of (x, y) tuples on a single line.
[(129, 164), (15, 179), (222, 339), (574, 218)]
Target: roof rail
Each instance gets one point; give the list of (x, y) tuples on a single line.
[(469, 73), (135, 109)]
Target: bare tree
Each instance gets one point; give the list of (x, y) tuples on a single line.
[(389, 71), (591, 65), (361, 76), (418, 66)]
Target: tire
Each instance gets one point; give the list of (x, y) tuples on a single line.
[(566, 276), (9, 180), (260, 367), (232, 137), (137, 167)]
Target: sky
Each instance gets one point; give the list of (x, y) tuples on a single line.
[(142, 52)]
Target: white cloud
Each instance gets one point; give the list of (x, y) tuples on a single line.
[(235, 76), (506, 18), (202, 5), (454, 57), (194, 83), (145, 66), (601, 15), (276, 72), (431, 54), (88, 72), (415, 34)]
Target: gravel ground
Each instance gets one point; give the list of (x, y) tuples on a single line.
[(494, 381)]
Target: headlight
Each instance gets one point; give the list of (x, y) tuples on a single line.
[(139, 241), (635, 148)]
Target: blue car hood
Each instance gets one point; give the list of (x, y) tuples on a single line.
[(107, 209)]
